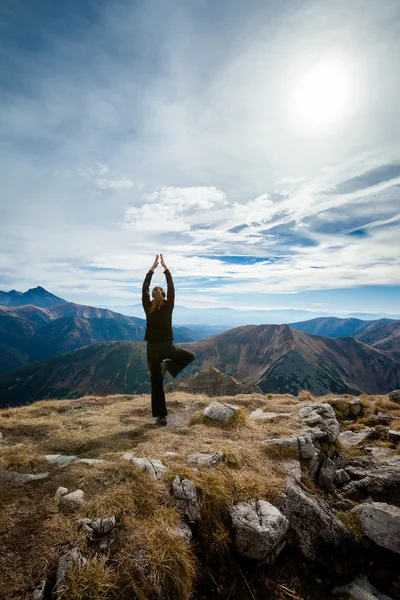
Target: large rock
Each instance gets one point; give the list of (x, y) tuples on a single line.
[(360, 589), (394, 436), (313, 523), (375, 476), (381, 523), (66, 563), (302, 445), (353, 438), (321, 420), (259, 528), (72, 501), (154, 467), (395, 396), (220, 413), (206, 460), (184, 492)]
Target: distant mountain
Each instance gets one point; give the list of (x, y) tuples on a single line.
[(334, 327), (30, 333), (386, 337), (212, 382), (277, 358), (37, 296), (101, 369)]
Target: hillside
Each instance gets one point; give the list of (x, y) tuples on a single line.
[(274, 503), (37, 296), (334, 327), (276, 358), (386, 337)]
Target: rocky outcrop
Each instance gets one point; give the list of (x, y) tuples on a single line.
[(378, 477), (38, 592), (395, 396), (360, 589), (258, 528), (353, 438), (66, 563), (185, 495), (154, 467), (220, 413), (21, 477), (206, 460), (212, 382), (381, 523)]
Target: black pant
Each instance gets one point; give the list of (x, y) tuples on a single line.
[(177, 359)]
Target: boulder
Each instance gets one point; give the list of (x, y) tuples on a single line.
[(60, 460), (103, 526), (205, 460), (395, 396), (184, 492), (154, 467), (312, 521), (381, 523), (352, 438), (360, 589), (376, 476), (68, 561), (61, 491), (321, 419), (301, 444), (220, 413), (394, 436), (72, 501), (259, 528), (38, 592)]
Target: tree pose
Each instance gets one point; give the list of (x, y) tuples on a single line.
[(162, 354)]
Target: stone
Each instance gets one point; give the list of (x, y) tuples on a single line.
[(38, 592), (340, 477), (378, 477), (290, 443), (381, 523), (394, 436), (68, 561), (61, 491), (260, 415), (395, 396), (184, 492), (184, 532), (72, 501), (220, 413), (352, 438), (170, 454), (206, 460), (320, 416), (60, 460), (312, 521), (14, 477), (154, 467), (355, 407), (91, 461), (306, 446), (103, 526), (292, 469), (360, 589), (259, 529)]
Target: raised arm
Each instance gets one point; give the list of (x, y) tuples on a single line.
[(170, 284), (146, 302)]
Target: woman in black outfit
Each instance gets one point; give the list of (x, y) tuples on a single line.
[(162, 354)]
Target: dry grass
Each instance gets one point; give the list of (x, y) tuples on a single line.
[(95, 581), (239, 419)]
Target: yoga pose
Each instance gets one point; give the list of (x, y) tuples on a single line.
[(162, 354)]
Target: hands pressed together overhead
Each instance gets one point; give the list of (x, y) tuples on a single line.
[(155, 263)]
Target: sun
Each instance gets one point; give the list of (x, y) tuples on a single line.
[(322, 96)]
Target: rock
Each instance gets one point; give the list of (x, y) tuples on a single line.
[(361, 589), (394, 436), (306, 446), (170, 454), (91, 461), (321, 419), (154, 467), (60, 460), (38, 592), (61, 491), (352, 438), (68, 561), (259, 528), (395, 396), (378, 477), (381, 523), (184, 532), (220, 413), (72, 501), (260, 415), (184, 492), (103, 526), (326, 475), (290, 443), (340, 477), (293, 469), (205, 460), (21, 477), (312, 521), (380, 419), (355, 407)]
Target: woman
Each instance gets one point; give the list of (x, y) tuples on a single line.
[(162, 354)]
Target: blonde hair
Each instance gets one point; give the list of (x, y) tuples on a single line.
[(158, 294)]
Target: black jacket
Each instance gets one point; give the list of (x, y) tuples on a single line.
[(159, 322)]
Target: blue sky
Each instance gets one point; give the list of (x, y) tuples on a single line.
[(255, 144)]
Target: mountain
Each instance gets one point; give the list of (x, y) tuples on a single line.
[(385, 338), (334, 327), (109, 368), (277, 358), (30, 333), (37, 296), (211, 382)]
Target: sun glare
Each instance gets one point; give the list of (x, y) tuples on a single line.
[(321, 98)]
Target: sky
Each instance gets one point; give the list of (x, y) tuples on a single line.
[(255, 144)]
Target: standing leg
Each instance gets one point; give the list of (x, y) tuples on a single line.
[(158, 406), (178, 359)]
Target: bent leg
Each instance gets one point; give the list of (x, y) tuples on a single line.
[(177, 359)]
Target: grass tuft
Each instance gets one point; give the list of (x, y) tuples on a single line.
[(95, 581), (352, 522)]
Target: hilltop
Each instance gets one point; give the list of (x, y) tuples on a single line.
[(258, 496)]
